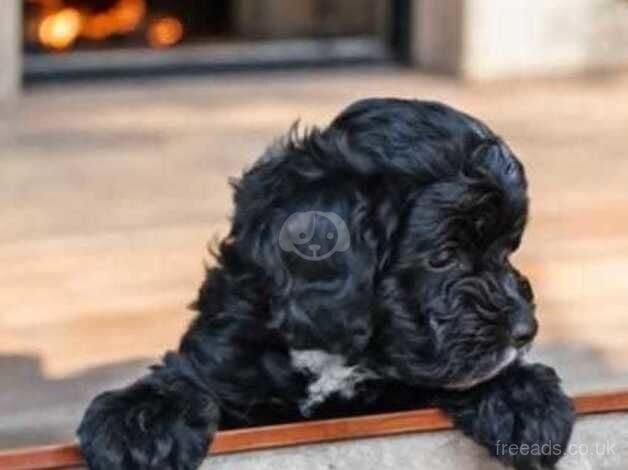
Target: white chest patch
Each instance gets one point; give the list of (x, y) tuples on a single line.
[(331, 375)]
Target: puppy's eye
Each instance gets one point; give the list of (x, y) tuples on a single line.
[(442, 260)]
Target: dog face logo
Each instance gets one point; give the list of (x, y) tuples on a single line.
[(314, 235)]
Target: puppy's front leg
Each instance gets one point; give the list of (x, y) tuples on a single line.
[(226, 363), (522, 417), (165, 420)]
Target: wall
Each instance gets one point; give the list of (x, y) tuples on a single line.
[(486, 39), (10, 48)]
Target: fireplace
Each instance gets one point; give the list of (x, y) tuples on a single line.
[(65, 38)]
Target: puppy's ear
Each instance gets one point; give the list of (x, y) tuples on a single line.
[(494, 160)]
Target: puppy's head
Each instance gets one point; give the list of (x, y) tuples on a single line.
[(473, 311)]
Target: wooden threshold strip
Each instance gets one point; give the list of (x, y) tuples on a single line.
[(268, 437)]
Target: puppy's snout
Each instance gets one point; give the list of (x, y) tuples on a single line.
[(523, 330)]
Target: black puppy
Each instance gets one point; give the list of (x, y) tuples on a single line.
[(367, 269)]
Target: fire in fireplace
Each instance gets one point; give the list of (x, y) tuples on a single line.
[(65, 25), (58, 25), (67, 38)]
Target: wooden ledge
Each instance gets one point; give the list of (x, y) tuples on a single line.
[(268, 437)]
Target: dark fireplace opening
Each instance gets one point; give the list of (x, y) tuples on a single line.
[(65, 38)]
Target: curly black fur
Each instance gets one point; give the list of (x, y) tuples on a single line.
[(419, 305)]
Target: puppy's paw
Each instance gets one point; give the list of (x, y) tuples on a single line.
[(523, 418), (147, 427)]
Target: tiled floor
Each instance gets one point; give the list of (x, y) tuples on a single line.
[(109, 194)]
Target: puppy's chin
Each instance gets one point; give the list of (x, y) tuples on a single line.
[(508, 356)]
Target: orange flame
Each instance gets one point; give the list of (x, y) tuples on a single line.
[(122, 18), (164, 32), (59, 30), (58, 27)]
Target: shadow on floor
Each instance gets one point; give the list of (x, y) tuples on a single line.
[(36, 410)]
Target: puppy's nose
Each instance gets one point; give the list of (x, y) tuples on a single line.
[(523, 331), (314, 247)]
